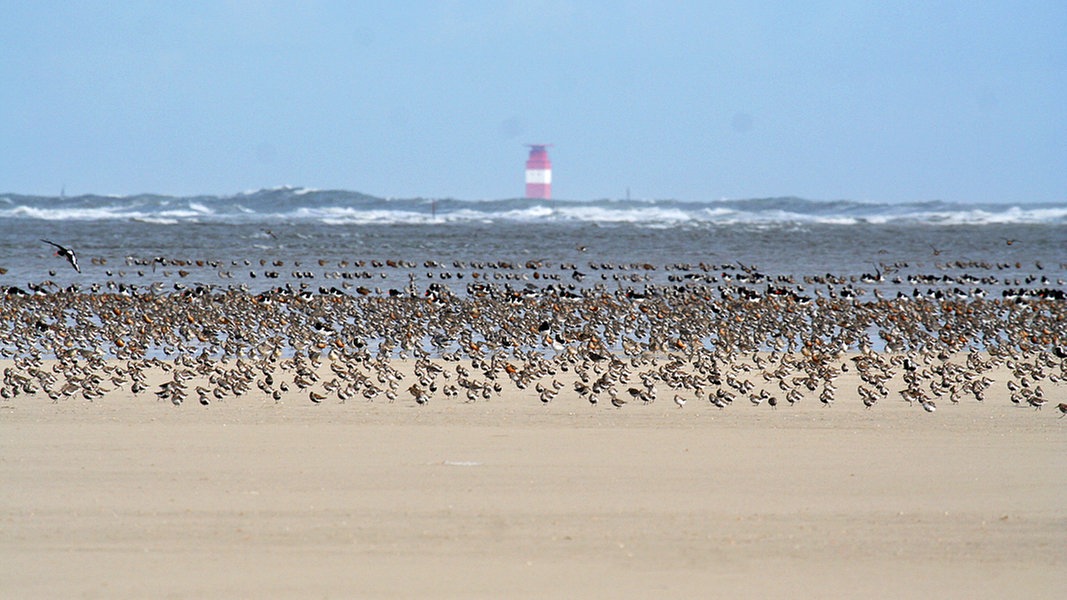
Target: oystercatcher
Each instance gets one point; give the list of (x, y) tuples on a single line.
[(66, 253)]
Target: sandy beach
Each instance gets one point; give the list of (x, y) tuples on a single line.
[(128, 497)]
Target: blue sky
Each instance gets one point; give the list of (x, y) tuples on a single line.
[(894, 101)]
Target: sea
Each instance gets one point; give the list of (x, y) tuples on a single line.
[(320, 239)]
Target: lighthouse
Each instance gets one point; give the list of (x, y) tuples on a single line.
[(538, 173)]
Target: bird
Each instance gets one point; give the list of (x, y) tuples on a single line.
[(66, 253), (1063, 409), (420, 395), (679, 400)]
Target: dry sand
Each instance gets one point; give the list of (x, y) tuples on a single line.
[(130, 497)]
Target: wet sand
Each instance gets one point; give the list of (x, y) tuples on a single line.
[(129, 497)]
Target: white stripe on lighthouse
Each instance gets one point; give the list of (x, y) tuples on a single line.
[(539, 176)]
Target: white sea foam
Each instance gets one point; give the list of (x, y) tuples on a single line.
[(156, 220), (68, 214), (339, 208)]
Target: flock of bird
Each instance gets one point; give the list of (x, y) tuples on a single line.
[(599, 334)]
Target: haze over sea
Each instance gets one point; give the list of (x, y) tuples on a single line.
[(322, 228)]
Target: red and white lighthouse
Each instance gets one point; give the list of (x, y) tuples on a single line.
[(538, 173)]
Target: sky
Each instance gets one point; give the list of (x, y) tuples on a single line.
[(872, 101)]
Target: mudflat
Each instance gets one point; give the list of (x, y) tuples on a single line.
[(128, 497)]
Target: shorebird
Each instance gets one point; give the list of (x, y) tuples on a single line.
[(1037, 398), (421, 397), (66, 253), (529, 333)]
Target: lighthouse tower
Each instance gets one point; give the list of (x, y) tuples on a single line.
[(538, 173)]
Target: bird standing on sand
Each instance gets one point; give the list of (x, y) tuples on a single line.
[(66, 253)]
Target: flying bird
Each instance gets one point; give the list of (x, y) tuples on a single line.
[(66, 253)]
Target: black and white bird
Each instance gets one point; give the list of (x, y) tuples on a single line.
[(66, 253)]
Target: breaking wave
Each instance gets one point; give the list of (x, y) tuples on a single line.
[(339, 207)]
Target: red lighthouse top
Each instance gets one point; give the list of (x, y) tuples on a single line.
[(538, 157)]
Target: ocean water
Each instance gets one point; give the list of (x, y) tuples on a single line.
[(318, 238)]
